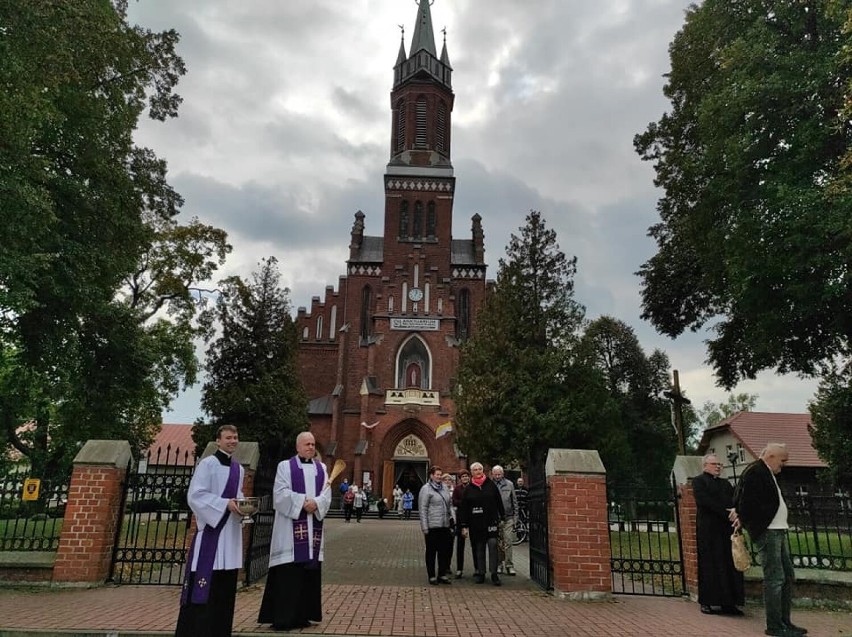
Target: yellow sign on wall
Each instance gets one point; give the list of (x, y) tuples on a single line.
[(31, 487)]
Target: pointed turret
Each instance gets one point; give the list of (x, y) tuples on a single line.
[(445, 58), (401, 56)]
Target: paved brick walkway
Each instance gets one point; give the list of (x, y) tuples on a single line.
[(375, 584)]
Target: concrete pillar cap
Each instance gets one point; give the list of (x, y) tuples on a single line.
[(247, 453), (686, 467), (562, 461), (114, 453)]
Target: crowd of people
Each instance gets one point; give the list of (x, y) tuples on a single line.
[(479, 508)]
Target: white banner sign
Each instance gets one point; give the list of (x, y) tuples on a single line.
[(422, 324)]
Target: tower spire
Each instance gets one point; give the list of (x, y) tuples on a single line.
[(424, 36)]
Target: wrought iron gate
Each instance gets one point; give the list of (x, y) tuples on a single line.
[(540, 569), (260, 536), (644, 535), (151, 538)]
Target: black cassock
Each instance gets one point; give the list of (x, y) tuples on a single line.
[(719, 583)]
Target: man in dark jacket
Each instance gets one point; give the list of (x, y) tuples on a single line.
[(763, 513), (719, 583), (480, 514)]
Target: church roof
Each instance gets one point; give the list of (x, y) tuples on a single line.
[(372, 250), (463, 253), (320, 406), (754, 429)]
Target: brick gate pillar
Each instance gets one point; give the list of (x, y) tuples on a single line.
[(685, 468), (578, 531), (92, 512)]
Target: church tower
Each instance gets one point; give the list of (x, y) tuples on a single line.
[(379, 355)]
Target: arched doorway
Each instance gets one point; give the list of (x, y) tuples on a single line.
[(411, 465)]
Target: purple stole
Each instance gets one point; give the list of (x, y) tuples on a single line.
[(207, 552), (302, 540)]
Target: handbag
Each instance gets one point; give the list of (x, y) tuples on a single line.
[(742, 559)]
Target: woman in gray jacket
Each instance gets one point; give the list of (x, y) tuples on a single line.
[(435, 521)]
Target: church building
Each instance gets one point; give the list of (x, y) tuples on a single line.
[(378, 355)]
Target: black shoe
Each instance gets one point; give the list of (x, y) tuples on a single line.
[(495, 579), (479, 579), (459, 574), (798, 629), (782, 632), (444, 580), (433, 581), (732, 610), (707, 610)]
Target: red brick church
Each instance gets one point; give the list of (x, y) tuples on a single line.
[(379, 355)]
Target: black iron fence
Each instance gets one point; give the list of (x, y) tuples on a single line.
[(646, 551), (820, 526), (31, 525), (152, 537)]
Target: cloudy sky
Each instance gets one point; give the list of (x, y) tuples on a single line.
[(284, 134)]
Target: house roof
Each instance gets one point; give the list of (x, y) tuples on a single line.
[(172, 444), (754, 429)]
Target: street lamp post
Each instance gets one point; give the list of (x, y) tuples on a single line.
[(733, 456)]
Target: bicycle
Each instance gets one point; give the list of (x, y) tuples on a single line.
[(522, 529)]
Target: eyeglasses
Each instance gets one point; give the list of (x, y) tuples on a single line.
[(715, 464)]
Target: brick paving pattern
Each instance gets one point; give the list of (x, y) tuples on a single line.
[(375, 584)]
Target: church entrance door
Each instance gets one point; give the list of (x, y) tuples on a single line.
[(411, 465), (411, 475)]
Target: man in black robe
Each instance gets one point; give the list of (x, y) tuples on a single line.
[(719, 583)]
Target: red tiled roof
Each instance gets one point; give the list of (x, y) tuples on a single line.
[(754, 429), (175, 440)]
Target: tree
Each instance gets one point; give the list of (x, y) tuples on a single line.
[(831, 415), (252, 366), (754, 237), (635, 383), (96, 312), (711, 414), (519, 390)]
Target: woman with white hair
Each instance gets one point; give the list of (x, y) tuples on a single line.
[(480, 514)]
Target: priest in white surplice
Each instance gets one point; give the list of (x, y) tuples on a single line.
[(216, 554), (301, 498)]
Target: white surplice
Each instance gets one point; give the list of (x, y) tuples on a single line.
[(206, 501), (288, 506)]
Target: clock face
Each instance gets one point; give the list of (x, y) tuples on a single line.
[(415, 294)]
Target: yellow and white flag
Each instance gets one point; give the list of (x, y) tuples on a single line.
[(444, 429)]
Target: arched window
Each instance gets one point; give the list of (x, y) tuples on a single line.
[(441, 128), (400, 126), (430, 219), (366, 303), (463, 314), (403, 219), (417, 226), (420, 131), (414, 364), (332, 324), (305, 333), (319, 327)]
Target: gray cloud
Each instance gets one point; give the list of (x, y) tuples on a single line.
[(284, 134)]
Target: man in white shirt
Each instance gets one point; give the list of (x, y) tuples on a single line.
[(763, 512)]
